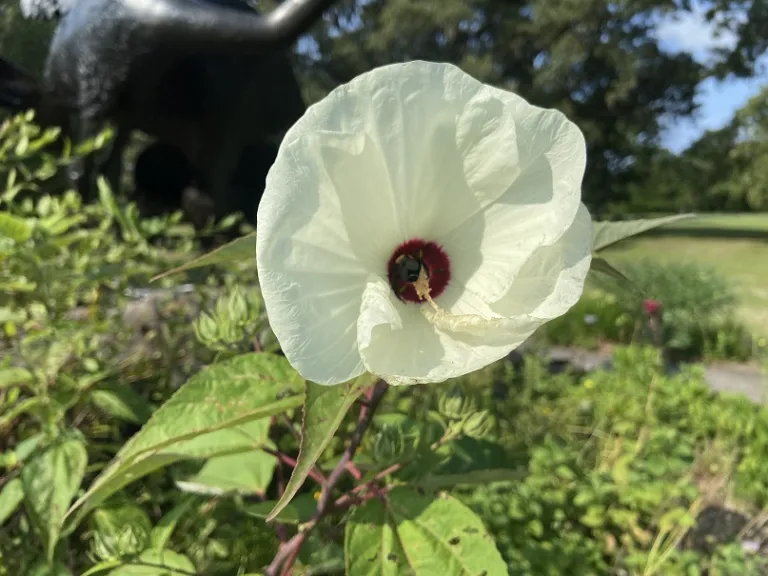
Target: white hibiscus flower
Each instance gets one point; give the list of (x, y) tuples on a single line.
[(420, 225)]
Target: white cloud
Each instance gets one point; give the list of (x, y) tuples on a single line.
[(690, 32)]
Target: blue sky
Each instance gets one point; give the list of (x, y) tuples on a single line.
[(718, 100)]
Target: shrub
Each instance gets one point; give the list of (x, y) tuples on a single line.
[(698, 309), (619, 468)]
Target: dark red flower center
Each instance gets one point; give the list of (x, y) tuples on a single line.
[(416, 258)]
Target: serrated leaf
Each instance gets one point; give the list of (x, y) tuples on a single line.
[(247, 473), (157, 563), (474, 461), (120, 401), (298, 510), (50, 481), (162, 532), (605, 234), (15, 375), (603, 267), (241, 249), (324, 411), (420, 535), (197, 420), (371, 544), (15, 228), (10, 497)]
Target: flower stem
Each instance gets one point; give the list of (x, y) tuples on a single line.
[(314, 473), (288, 552)]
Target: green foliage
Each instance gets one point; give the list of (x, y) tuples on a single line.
[(695, 300), (420, 534), (208, 417), (81, 370), (698, 312), (236, 322), (324, 410), (239, 249), (607, 233), (50, 481), (619, 466)]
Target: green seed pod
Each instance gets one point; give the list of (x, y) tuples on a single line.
[(120, 531), (455, 405), (237, 308), (478, 425), (206, 329)]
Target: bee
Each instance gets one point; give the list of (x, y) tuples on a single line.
[(408, 269)]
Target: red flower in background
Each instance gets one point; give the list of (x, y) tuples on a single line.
[(651, 307)]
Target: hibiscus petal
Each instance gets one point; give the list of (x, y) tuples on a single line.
[(401, 344), (489, 249), (552, 279), (310, 277), (446, 141), (547, 285)]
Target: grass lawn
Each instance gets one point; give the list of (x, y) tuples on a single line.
[(734, 244)]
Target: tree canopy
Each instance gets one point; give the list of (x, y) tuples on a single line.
[(601, 62)]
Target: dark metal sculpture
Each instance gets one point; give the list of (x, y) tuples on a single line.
[(208, 77)]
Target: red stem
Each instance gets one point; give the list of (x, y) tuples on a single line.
[(288, 552)]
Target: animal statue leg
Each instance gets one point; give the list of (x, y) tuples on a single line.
[(221, 156)]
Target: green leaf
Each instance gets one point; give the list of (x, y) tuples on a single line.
[(605, 234), (15, 228), (420, 535), (298, 510), (44, 569), (120, 401), (320, 556), (15, 375), (162, 532), (197, 421), (157, 563), (102, 567), (324, 411), (241, 249), (10, 497), (247, 473), (474, 461), (107, 198), (603, 267), (50, 481), (17, 410), (371, 544)]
